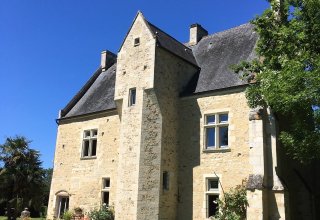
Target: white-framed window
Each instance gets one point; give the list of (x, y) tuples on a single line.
[(89, 143), (132, 97), (105, 191), (63, 205), (212, 194), (216, 131), (165, 180)]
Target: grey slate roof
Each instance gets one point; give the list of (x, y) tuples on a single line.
[(216, 53), (99, 96), (213, 54), (169, 43)]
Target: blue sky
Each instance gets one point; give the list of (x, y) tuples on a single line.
[(50, 48)]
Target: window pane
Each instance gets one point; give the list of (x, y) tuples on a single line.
[(94, 133), (210, 137), (85, 148), (136, 41), (86, 134), (211, 119), (165, 180), (213, 184), (223, 118), (94, 147), (106, 183), (105, 198), (132, 97), (212, 204), (223, 136)]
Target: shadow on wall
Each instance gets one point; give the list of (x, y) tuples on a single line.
[(301, 181), (188, 155)]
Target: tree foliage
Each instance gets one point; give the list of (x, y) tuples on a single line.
[(233, 205), (286, 76), (21, 175)]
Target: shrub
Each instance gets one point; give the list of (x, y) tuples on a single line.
[(234, 204), (104, 213), (68, 215)]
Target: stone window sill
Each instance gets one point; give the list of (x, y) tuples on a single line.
[(219, 150), (88, 158)]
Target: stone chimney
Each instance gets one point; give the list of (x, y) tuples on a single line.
[(107, 59), (197, 32)]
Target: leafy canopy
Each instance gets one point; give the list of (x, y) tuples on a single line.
[(21, 175), (286, 76)]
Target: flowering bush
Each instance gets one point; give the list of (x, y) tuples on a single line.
[(234, 204), (104, 213)]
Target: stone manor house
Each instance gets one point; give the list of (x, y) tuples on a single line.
[(163, 128)]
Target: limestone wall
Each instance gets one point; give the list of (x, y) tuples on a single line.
[(195, 164), (81, 178), (148, 136), (135, 68), (171, 76)]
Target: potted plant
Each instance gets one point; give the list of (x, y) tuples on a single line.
[(78, 211)]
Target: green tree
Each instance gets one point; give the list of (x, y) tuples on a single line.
[(21, 176), (286, 76), (47, 183)]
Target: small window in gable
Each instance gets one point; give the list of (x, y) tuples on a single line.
[(137, 41)]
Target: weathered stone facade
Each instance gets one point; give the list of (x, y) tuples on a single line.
[(152, 145), (81, 179)]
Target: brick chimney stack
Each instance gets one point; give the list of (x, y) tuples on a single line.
[(197, 32)]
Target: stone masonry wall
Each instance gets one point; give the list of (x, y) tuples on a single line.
[(82, 178), (195, 164), (149, 128), (135, 67), (171, 75)]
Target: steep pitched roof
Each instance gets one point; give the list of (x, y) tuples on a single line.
[(169, 43), (216, 53), (99, 96)]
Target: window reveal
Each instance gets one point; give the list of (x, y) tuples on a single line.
[(132, 97), (89, 145), (105, 192), (216, 131), (212, 194)]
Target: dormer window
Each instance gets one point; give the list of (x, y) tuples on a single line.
[(137, 41)]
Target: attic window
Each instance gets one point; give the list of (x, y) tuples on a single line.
[(137, 41)]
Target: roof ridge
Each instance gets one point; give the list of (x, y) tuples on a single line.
[(168, 35), (227, 30)]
